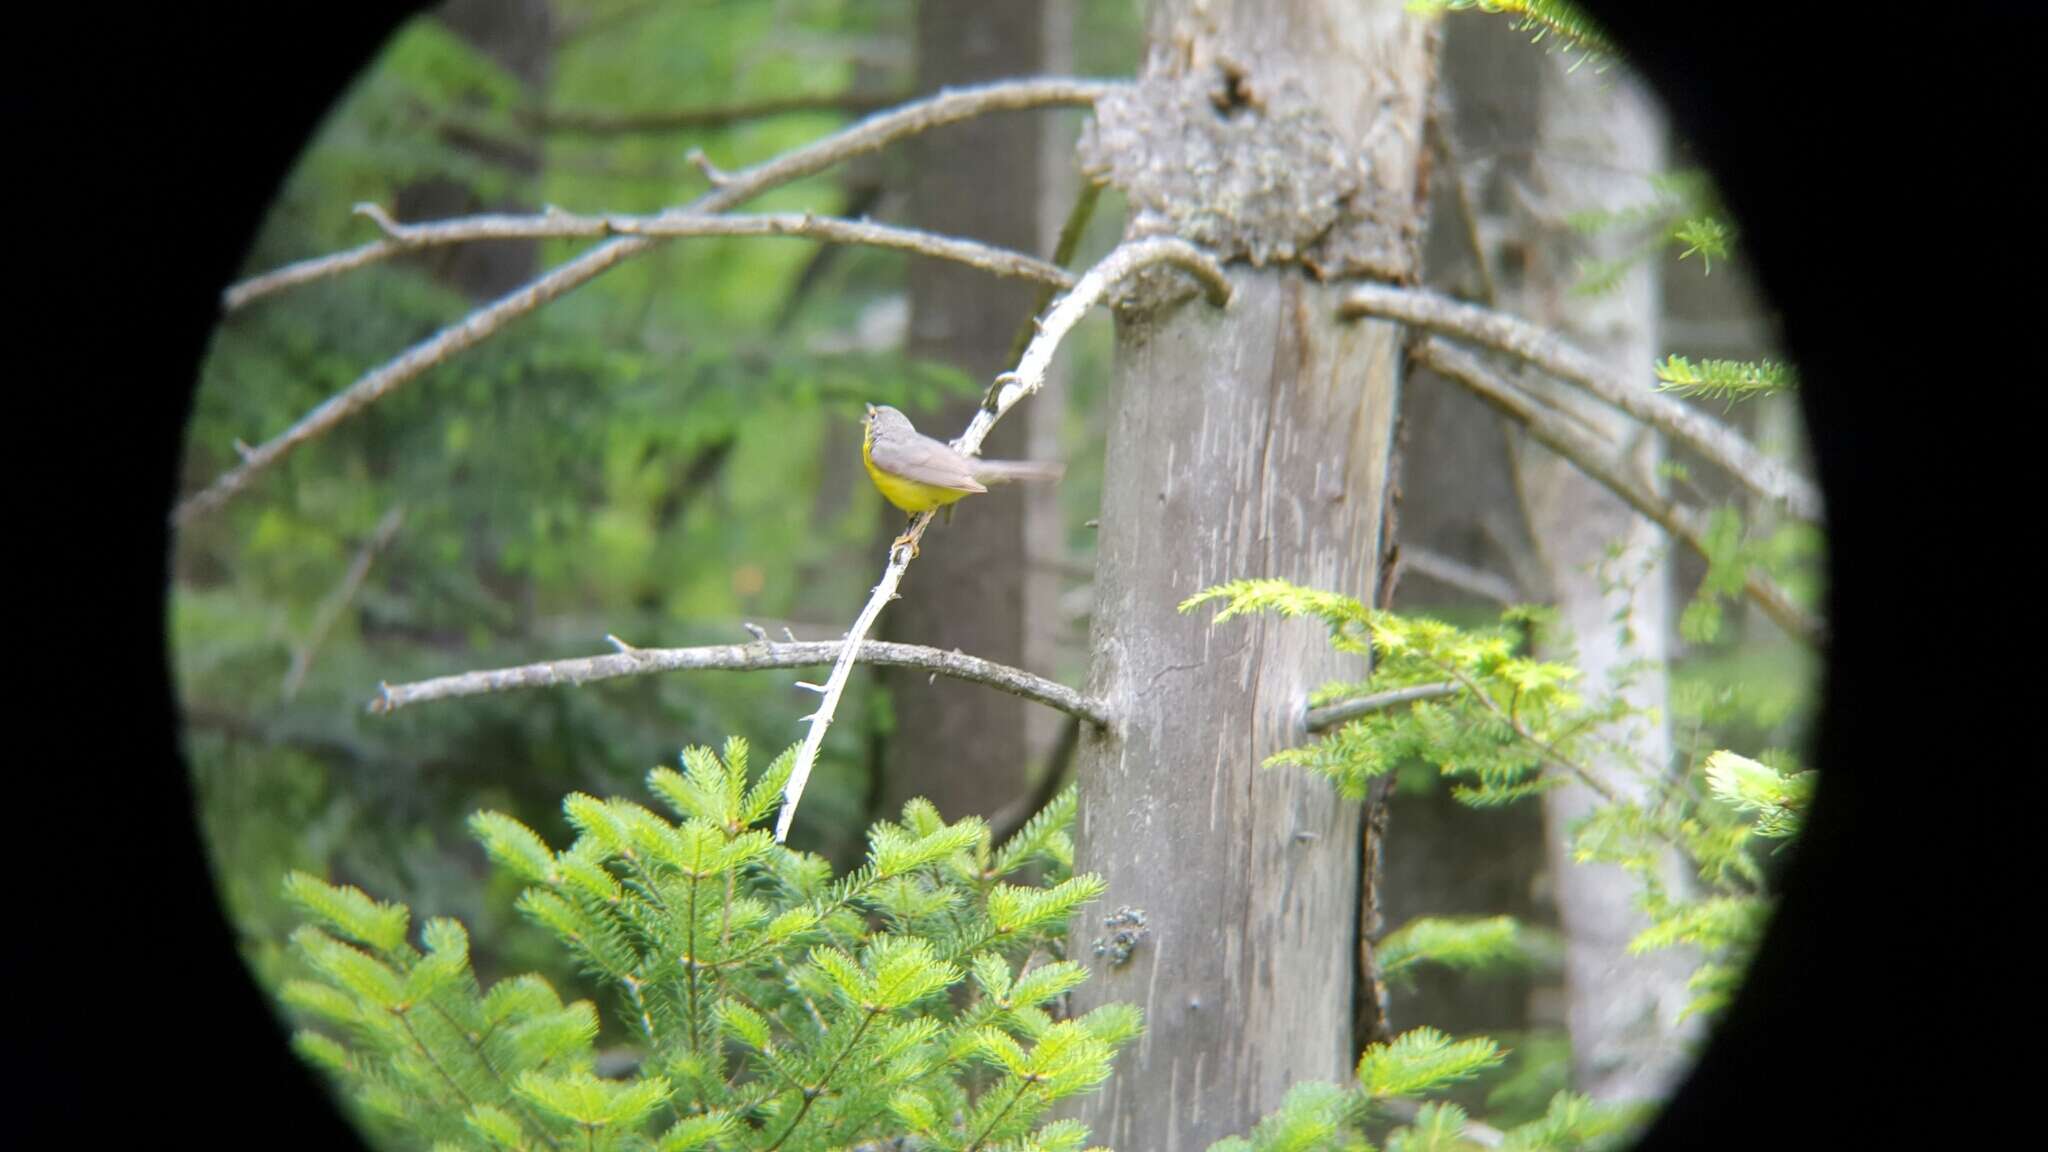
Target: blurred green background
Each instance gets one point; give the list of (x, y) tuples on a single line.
[(641, 458)]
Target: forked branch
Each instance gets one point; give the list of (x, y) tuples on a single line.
[(1682, 522), (402, 238), (729, 190), (1027, 378), (1722, 445), (762, 654), (659, 120)]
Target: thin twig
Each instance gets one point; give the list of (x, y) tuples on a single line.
[(1468, 212), (812, 1092), (1125, 260), (1024, 1084), (1556, 757), (657, 120), (401, 238), (630, 661), (1460, 575), (947, 107), (1063, 251), (1010, 387), (330, 610), (1680, 521), (1508, 717), (1330, 715), (1011, 818), (1722, 445)]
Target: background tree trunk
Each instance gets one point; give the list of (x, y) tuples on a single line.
[(1443, 858), (1250, 442), (959, 745), (1598, 136), (519, 35), (1050, 647)]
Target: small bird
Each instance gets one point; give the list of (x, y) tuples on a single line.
[(918, 474)]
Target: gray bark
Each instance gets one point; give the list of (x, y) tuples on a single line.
[(961, 747), (1458, 499), (1249, 442), (1609, 570)]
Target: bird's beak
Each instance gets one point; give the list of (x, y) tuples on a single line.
[(871, 412)]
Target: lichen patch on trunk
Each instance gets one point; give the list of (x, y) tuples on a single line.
[(1206, 149)]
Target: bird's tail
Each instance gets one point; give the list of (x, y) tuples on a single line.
[(993, 472)]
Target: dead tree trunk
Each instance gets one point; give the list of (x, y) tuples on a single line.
[(1250, 442), (1597, 137), (964, 748)]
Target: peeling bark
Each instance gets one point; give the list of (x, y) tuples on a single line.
[(1249, 442)]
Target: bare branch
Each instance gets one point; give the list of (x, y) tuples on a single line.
[(302, 271), (1460, 575), (1330, 715), (761, 654), (1680, 521), (658, 120), (1437, 126), (401, 238), (1010, 387), (947, 107), (1724, 446), (1063, 251), (713, 175), (1011, 818), (330, 610), (1126, 260)]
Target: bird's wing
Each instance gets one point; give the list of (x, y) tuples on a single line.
[(925, 460)]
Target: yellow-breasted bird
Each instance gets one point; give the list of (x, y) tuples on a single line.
[(918, 474)]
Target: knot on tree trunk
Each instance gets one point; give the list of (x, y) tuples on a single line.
[(1245, 165)]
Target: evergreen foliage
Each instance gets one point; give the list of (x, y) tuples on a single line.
[(1321, 1117), (1490, 737), (1545, 18), (1465, 944), (771, 1005), (1683, 212), (1733, 548), (1513, 728), (1725, 379)]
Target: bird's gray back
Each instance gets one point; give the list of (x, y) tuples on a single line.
[(901, 450)]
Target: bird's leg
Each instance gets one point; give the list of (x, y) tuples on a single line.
[(905, 537)]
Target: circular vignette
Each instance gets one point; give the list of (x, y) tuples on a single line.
[(1740, 1056)]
